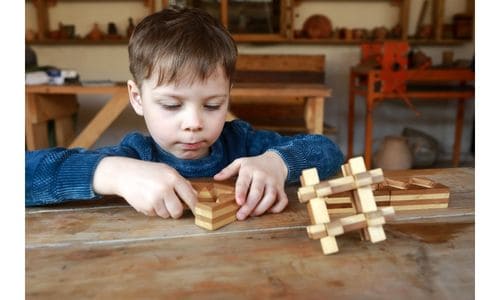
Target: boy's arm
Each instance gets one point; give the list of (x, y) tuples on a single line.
[(57, 174), (269, 161), (128, 170), (299, 152)]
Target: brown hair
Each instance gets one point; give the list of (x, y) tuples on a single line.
[(180, 43)]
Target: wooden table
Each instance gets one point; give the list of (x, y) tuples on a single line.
[(313, 93), (366, 82), (107, 250)]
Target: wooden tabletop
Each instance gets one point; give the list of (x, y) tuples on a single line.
[(104, 249)]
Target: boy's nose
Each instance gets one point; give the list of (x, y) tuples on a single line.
[(192, 121)]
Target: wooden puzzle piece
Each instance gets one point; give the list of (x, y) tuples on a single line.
[(339, 185), (412, 197), (216, 205), (358, 184), (351, 223)]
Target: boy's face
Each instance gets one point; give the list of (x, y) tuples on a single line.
[(183, 119)]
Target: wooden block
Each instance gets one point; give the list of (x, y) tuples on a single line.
[(223, 188), (341, 211), (309, 177), (343, 184), (214, 210), (322, 189), (204, 194), (375, 221), (223, 215), (387, 211), (418, 207), (376, 233), (306, 193), (329, 245), (363, 196), (226, 198), (424, 182), (316, 231), (377, 175), (397, 184), (356, 165), (354, 222), (334, 228), (364, 199), (345, 170), (363, 179), (317, 210), (213, 226)]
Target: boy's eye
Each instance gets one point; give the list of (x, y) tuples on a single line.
[(171, 106), (212, 106)]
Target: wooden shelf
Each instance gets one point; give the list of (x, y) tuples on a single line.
[(49, 42), (303, 41)]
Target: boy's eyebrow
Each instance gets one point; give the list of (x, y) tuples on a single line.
[(180, 97)]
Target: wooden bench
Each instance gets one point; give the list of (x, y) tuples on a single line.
[(282, 114)]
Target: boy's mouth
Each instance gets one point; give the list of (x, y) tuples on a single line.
[(192, 146)]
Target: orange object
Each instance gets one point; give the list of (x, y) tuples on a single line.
[(383, 74)]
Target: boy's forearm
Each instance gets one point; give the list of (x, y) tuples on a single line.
[(106, 175)]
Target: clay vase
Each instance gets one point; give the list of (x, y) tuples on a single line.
[(393, 154), (96, 33), (317, 27)]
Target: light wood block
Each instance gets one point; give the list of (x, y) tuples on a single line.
[(317, 210), (316, 231), (329, 245), (309, 177)]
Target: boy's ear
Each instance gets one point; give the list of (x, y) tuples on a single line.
[(134, 95)]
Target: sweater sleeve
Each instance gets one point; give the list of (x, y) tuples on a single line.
[(58, 175), (299, 152)]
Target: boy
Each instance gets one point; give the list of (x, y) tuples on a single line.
[(182, 62)]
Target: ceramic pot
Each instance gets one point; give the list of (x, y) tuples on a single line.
[(393, 154)]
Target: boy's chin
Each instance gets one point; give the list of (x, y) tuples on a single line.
[(191, 155)]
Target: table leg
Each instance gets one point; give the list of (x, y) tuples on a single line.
[(459, 122), (314, 114), (370, 99), (350, 115), (36, 133), (107, 115), (64, 131)]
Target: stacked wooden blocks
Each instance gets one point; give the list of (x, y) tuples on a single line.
[(408, 194), (368, 218), (216, 205)]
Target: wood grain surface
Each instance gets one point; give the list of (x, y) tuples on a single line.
[(104, 249)]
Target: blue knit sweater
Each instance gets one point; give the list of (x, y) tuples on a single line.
[(58, 175)]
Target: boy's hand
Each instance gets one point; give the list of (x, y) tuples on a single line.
[(260, 184), (151, 188)]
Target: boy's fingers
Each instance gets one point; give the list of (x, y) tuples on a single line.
[(161, 209), (241, 188), (267, 201), (187, 194), (173, 204), (229, 171), (254, 195), (281, 202)]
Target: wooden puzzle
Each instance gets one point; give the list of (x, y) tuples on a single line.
[(358, 182), (412, 193), (216, 205)]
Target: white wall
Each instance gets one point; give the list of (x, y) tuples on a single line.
[(111, 62)]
